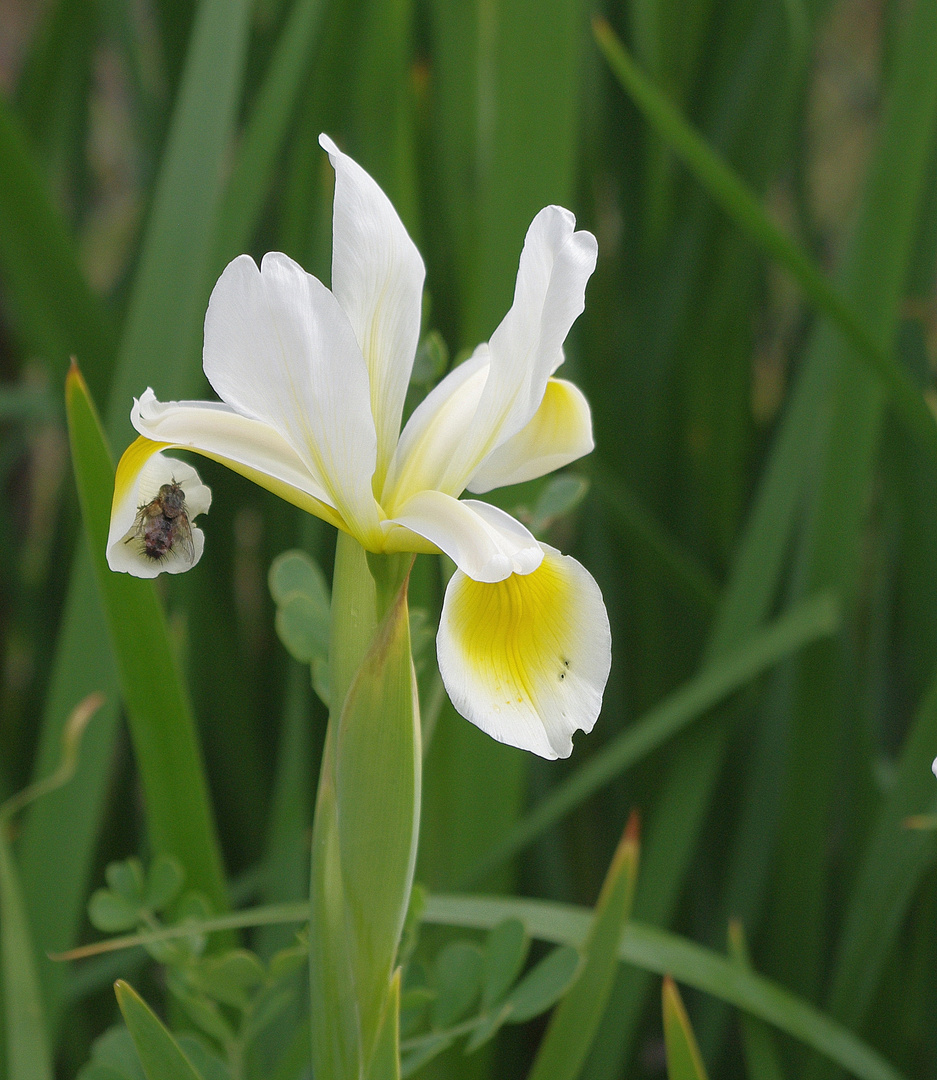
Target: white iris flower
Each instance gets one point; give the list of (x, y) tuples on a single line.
[(312, 384)]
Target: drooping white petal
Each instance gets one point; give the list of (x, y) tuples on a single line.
[(526, 659), (279, 348), (216, 430), (143, 476), (377, 278), (484, 542), (560, 432), (527, 347)]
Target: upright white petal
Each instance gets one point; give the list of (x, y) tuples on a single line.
[(527, 347), (377, 277), (483, 541), (280, 349), (436, 431), (526, 659), (560, 432), (126, 551)]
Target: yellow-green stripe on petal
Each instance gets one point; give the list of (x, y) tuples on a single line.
[(526, 659)]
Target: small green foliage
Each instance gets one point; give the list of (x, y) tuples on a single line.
[(113, 1057), (465, 975), (133, 898), (559, 496)]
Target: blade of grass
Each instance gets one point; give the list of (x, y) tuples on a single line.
[(178, 812), (683, 1057), (830, 551), (806, 622), (573, 1024)]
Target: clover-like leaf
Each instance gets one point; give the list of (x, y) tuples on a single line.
[(457, 976), (505, 952), (163, 883), (111, 913), (544, 984), (127, 880)]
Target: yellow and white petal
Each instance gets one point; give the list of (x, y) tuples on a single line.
[(279, 349), (527, 347), (377, 278), (142, 471), (526, 659), (560, 432), (483, 541)]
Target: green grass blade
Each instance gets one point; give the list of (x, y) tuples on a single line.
[(265, 131), (744, 208), (166, 307), (172, 283), (178, 812), (573, 1024), (806, 622), (894, 862), (159, 1053), (683, 1057), (663, 953), (26, 1044)]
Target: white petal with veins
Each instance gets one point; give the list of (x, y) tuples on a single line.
[(377, 278), (526, 659), (280, 349)]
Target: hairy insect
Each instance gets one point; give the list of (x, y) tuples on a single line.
[(162, 523)]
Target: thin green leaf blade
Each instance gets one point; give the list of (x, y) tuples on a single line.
[(575, 1020), (161, 1056), (683, 1057)]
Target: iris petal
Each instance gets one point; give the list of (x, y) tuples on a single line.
[(527, 347), (560, 432), (483, 541), (526, 659), (377, 278), (141, 474), (278, 348)]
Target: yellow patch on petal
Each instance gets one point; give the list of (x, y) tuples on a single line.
[(137, 454), (526, 659), (514, 627)]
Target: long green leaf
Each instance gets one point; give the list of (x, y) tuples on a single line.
[(168, 298), (178, 811), (573, 1024), (54, 310), (683, 1057)]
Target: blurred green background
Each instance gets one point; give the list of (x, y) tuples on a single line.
[(761, 442)]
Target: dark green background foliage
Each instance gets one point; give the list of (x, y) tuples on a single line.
[(755, 345)]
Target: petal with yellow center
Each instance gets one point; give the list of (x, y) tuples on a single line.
[(526, 659)]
